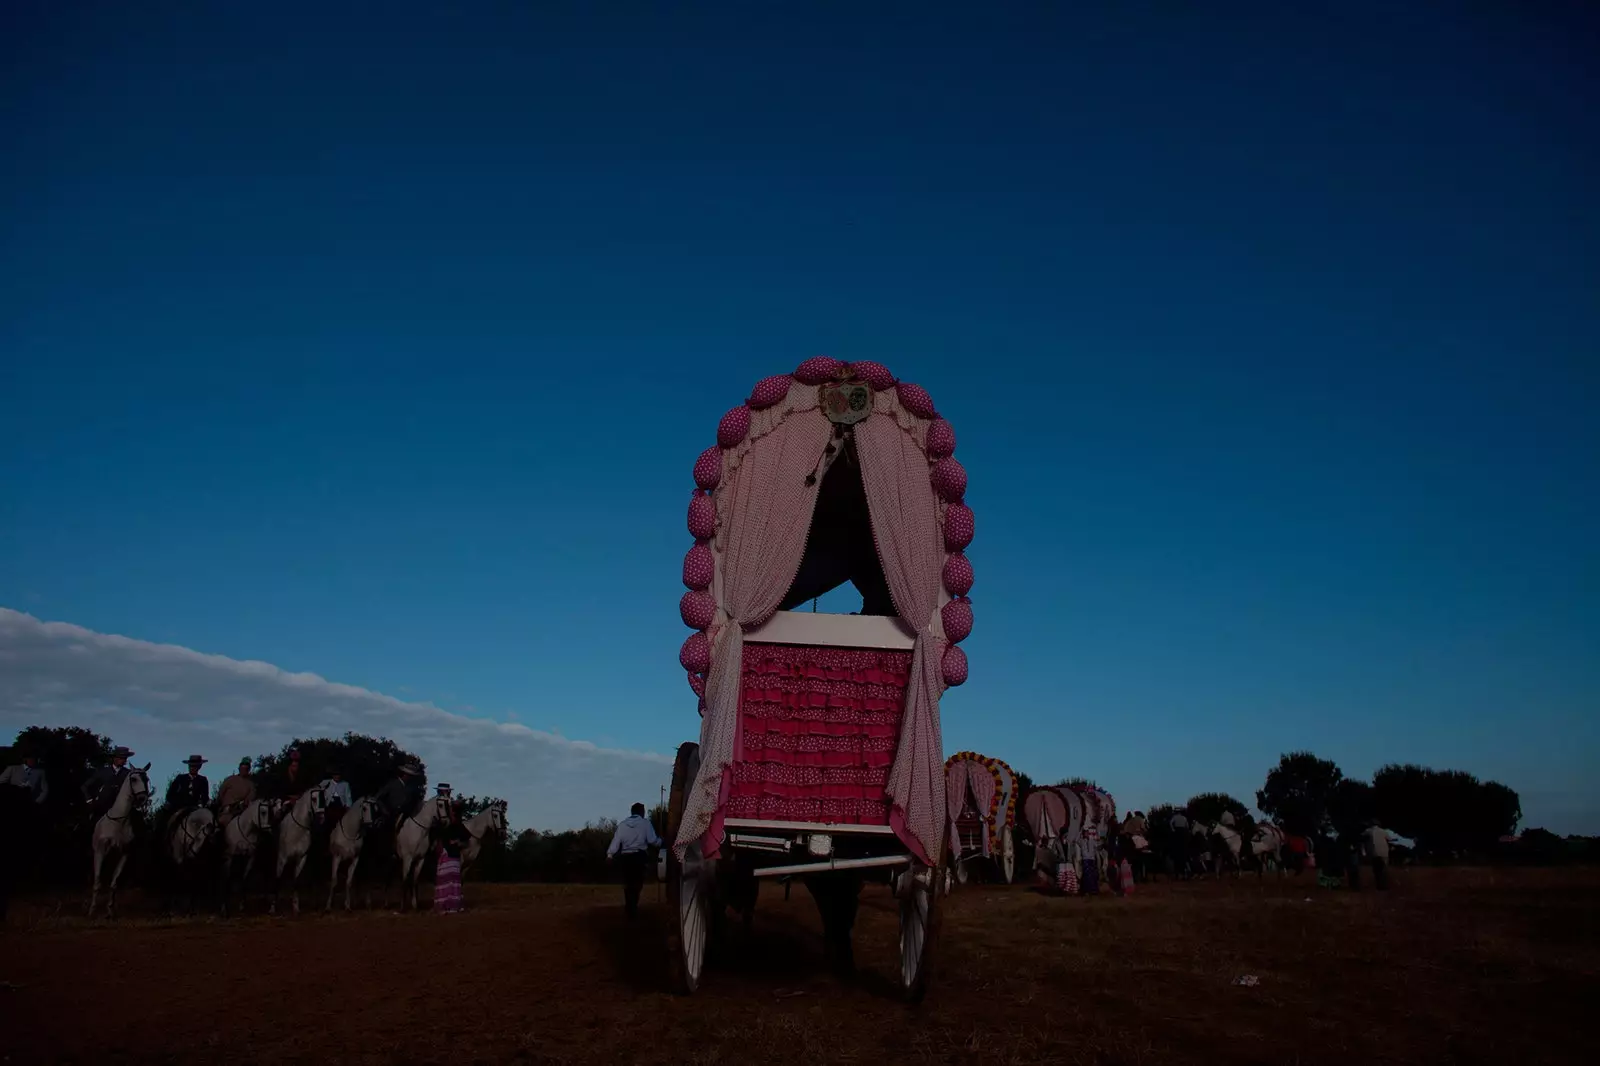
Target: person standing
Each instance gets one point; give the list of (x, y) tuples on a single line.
[(101, 789), (1375, 847), (236, 793), (630, 847), (447, 897), (22, 791)]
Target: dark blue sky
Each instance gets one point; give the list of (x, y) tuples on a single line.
[(380, 345)]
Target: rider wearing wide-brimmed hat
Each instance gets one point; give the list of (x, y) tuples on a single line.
[(186, 793), (402, 794), (103, 785)]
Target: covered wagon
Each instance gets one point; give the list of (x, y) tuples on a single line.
[(981, 803), (819, 754), (1070, 824)]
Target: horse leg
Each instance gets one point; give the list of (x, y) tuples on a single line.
[(294, 882), (94, 881), (276, 888), (333, 880), (244, 882), (111, 891), (350, 881)]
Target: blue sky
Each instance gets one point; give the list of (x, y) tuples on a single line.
[(379, 345)]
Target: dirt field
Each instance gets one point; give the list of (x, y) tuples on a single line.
[(1456, 966)]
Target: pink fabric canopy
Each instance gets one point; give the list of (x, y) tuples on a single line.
[(754, 516)]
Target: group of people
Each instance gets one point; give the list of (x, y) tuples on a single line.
[(23, 786)]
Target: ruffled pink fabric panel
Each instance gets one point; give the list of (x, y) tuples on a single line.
[(819, 729)]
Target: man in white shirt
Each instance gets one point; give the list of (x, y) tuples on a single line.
[(337, 791), (630, 846), (1375, 846), (29, 775)]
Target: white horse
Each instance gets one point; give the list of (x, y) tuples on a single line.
[(1267, 847), (295, 830), (344, 847), (186, 842), (113, 835), (241, 840), (413, 840), (490, 820), (1226, 844)]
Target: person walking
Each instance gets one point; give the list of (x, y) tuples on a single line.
[(630, 847), (22, 793), (237, 792), (1375, 847)]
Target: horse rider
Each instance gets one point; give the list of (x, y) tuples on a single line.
[(27, 775), (101, 789), (442, 790), (402, 795), (630, 846), (186, 793), (1180, 844), (337, 789), (237, 792), (292, 784)]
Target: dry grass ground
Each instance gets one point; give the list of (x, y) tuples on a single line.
[(1451, 966)]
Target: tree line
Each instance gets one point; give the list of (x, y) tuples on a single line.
[(1446, 813)]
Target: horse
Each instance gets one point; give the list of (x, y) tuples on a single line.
[(295, 831), (186, 843), (413, 841), (241, 839), (492, 819), (1225, 843), (113, 835), (344, 847), (1267, 848)]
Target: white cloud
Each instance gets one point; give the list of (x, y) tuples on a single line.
[(165, 701)]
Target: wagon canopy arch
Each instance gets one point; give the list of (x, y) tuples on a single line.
[(837, 472)]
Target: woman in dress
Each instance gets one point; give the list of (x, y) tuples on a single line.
[(447, 880)]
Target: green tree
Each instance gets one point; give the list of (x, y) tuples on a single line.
[(67, 754), (368, 762), (1299, 793), (1207, 807)]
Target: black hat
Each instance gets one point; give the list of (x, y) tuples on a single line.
[(195, 760), (119, 752)]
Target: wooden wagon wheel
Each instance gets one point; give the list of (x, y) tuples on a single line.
[(689, 883), (1006, 861), (919, 928)]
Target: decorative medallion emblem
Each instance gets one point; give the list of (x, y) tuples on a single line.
[(846, 402)]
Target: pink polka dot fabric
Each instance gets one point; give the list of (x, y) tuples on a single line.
[(769, 391), (702, 517), (959, 527), (941, 439), (957, 574), (957, 618), (698, 566), (915, 398), (875, 374), (949, 479), (734, 427), (817, 370), (698, 683), (708, 468), (695, 655), (697, 609), (954, 666)]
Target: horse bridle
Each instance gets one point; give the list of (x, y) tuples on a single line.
[(361, 826), (295, 820), (132, 803)]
